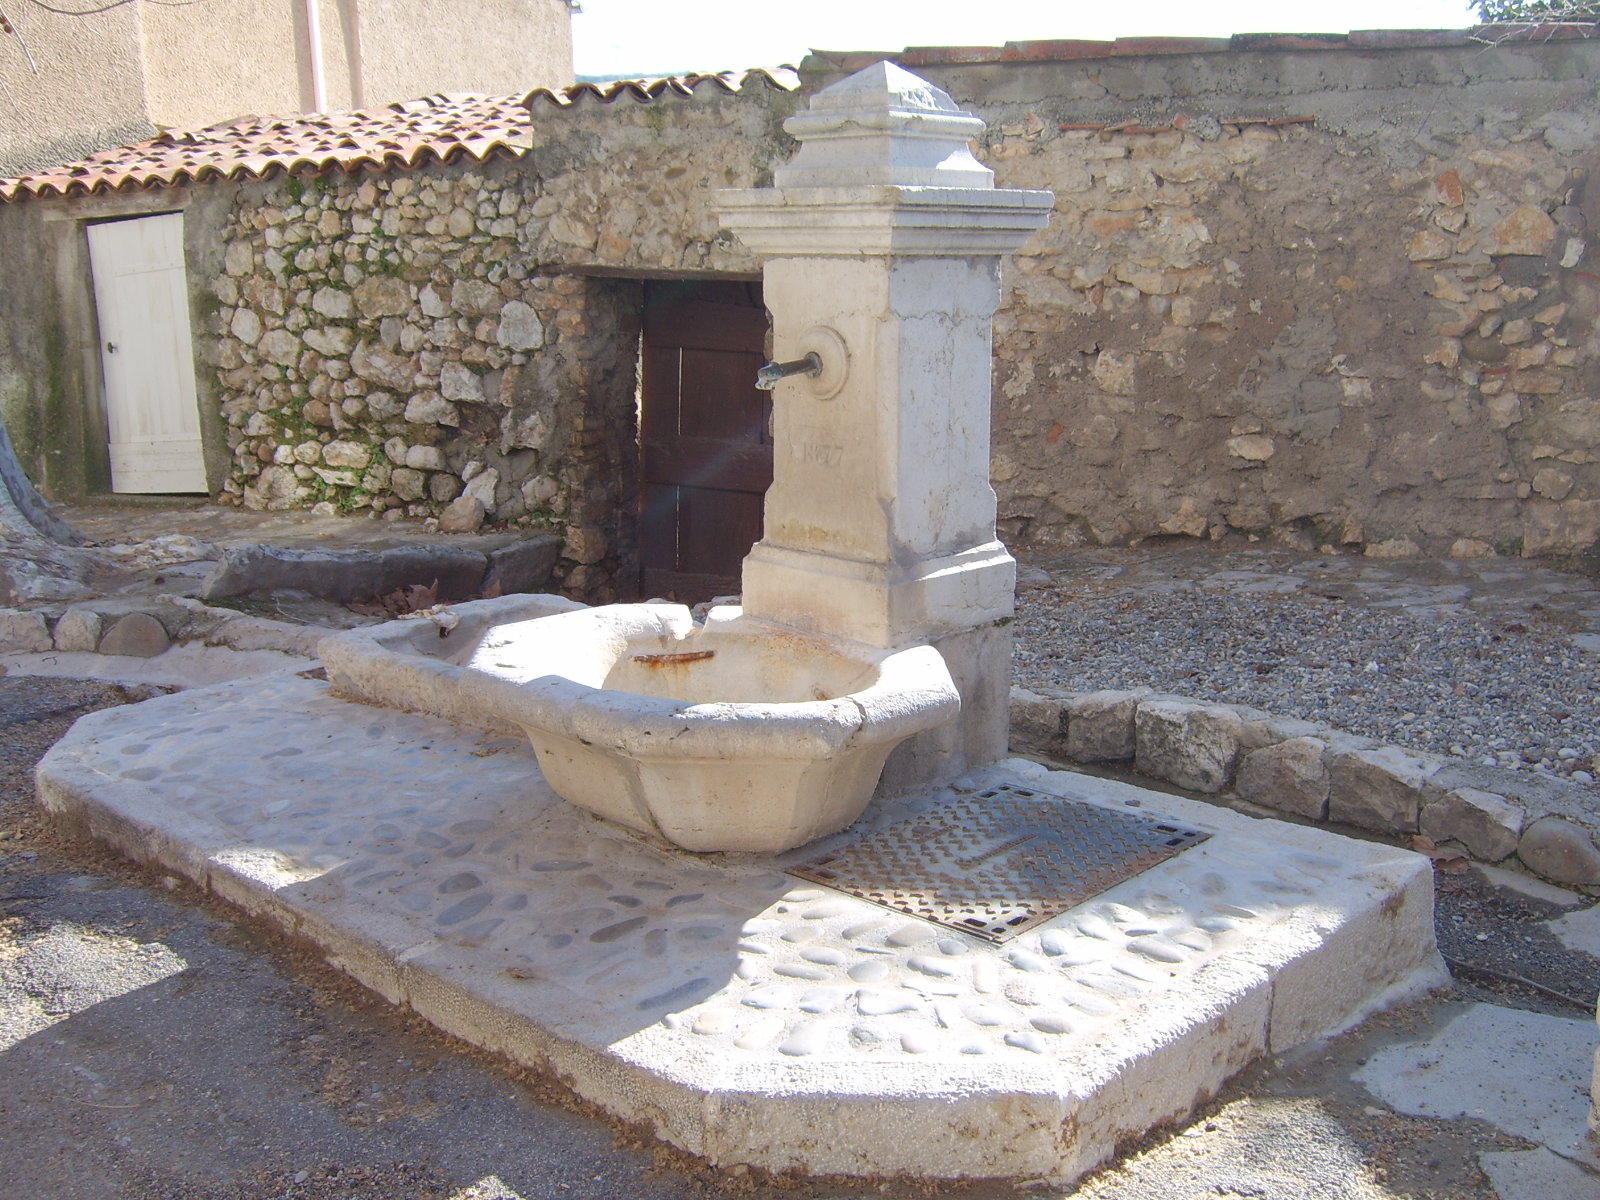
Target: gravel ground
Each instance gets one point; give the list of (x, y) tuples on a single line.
[(1500, 948), (1505, 693)]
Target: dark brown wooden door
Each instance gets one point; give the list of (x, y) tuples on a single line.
[(704, 436)]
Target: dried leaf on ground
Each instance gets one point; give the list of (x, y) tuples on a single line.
[(1448, 858), (409, 599)]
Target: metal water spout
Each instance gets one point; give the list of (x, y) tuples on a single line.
[(768, 376)]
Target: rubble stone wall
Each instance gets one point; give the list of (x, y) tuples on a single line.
[(1345, 299), (1279, 766), (461, 342), (1341, 299)]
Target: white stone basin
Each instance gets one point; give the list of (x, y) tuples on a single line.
[(737, 735), (415, 663)]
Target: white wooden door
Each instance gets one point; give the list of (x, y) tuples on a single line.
[(141, 296)]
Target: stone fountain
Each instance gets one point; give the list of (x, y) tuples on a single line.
[(882, 242), (998, 971), (876, 603)]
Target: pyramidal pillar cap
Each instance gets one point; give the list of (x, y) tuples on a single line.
[(883, 126), (885, 167)]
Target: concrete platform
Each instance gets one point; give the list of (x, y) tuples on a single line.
[(739, 1013)]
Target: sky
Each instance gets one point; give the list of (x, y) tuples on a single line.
[(664, 37)]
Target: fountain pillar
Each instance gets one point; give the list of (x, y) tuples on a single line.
[(882, 240)]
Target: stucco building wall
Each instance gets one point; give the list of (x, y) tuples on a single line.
[(413, 47), (206, 63), (115, 76), (73, 85)]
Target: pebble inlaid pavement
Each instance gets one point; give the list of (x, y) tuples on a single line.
[(433, 862)]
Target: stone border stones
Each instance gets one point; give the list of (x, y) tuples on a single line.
[(137, 629), (145, 627), (1319, 774)]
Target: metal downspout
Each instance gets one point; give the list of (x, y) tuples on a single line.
[(319, 91)]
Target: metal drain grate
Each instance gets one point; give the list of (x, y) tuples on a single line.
[(1001, 861)]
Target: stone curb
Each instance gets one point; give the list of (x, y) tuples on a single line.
[(147, 627), (1318, 774)]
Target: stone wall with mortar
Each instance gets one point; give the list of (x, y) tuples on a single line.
[(460, 342), (1339, 298), (1342, 297)]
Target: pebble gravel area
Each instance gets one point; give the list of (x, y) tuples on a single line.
[(1502, 693)]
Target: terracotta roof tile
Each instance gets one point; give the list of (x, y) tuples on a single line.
[(446, 128), (643, 91), (1131, 47), (440, 128)]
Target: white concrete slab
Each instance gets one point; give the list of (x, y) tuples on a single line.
[(187, 665), (1525, 1073), (739, 1013), (1579, 930), (1538, 1175)]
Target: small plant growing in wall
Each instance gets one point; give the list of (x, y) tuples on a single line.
[(351, 499)]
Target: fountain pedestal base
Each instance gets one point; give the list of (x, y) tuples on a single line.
[(746, 1016)]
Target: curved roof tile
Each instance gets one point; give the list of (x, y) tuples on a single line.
[(643, 91), (446, 128), (440, 128)]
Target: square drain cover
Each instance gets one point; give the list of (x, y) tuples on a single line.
[(1001, 861)]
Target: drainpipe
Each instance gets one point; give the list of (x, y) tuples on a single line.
[(351, 11), (319, 91)]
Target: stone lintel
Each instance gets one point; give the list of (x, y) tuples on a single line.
[(882, 604)]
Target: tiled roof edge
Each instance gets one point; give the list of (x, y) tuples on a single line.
[(50, 185), (405, 135), (433, 129), (644, 91)]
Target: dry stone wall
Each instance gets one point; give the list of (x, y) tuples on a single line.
[(1347, 300), (459, 343), (1278, 766)]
